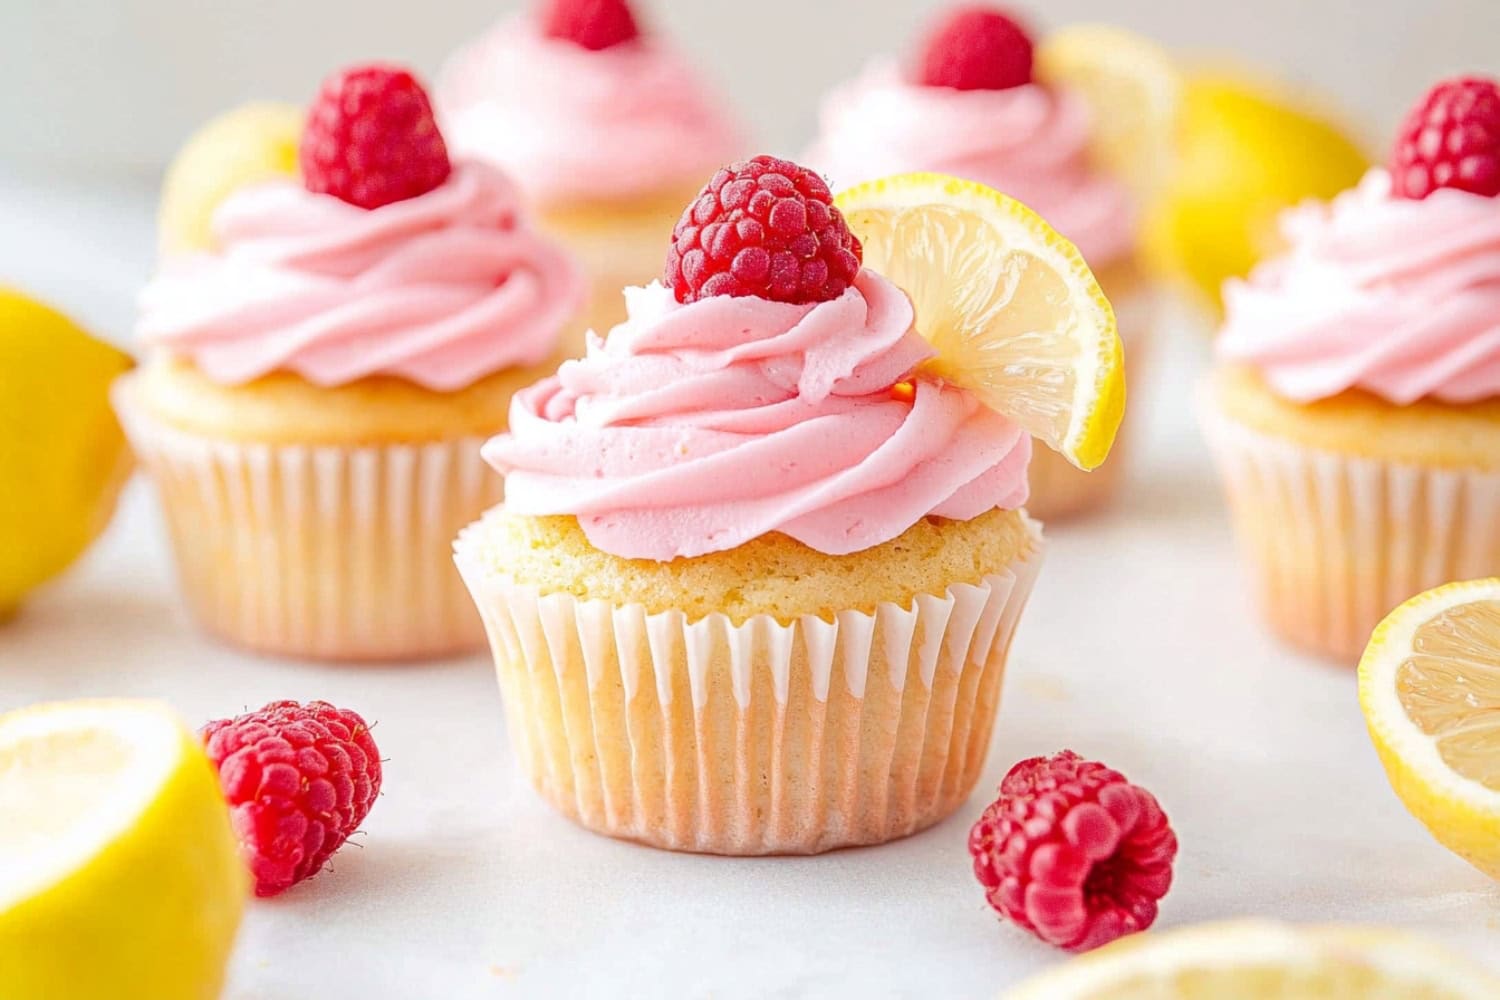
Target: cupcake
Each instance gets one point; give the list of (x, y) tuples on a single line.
[(607, 129), (970, 106), (319, 381), (758, 567), (1355, 408)]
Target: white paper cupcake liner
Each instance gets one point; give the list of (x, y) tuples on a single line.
[(1336, 542), (320, 552), (758, 738)]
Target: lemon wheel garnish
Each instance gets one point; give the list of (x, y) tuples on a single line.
[(119, 874), (1014, 313), (1264, 961), (1429, 686), (1134, 89)]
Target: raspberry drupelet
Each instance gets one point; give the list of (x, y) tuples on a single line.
[(1450, 139), (976, 47), (299, 779), (763, 227), (371, 138), (1073, 852), (594, 24)]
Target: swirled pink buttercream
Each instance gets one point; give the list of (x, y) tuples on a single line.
[(574, 124), (1028, 142), (695, 428), (1396, 297), (442, 289)]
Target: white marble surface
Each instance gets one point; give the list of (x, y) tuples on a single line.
[(1139, 649)]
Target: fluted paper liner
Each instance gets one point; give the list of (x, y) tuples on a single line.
[(1337, 541), (758, 738), (322, 552)]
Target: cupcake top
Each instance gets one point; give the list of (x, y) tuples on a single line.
[(579, 106), (971, 108), (745, 400), (384, 260), (1393, 288)]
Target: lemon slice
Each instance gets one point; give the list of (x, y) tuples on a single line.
[(1134, 89), (1013, 311), (1255, 960), (1429, 685), (119, 875), (253, 142)]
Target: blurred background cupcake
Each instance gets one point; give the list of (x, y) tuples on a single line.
[(605, 125), (1356, 408), (762, 552), (971, 103), (321, 375)]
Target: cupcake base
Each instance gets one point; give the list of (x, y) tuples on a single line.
[(1336, 540), (335, 552), (757, 737)]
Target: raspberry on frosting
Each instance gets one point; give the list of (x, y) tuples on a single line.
[(371, 138), (593, 24), (298, 779), (1450, 139), (976, 47), (766, 228), (1073, 852)]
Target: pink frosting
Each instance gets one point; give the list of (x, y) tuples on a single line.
[(696, 428), (442, 289), (572, 124), (1028, 142), (1396, 297)]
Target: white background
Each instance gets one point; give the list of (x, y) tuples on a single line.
[(1140, 647)]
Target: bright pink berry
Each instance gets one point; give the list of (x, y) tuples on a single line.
[(594, 24), (299, 779), (976, 47), (1450, 139), (764, 227), (371, 138), (1073, 852)]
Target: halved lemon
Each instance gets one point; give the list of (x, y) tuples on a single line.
[(1134, 89), (1260, 960), (119, 875), (1013, 311), (1429, 685)]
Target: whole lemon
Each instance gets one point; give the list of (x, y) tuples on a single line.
[(1246, 152), (63, 457), (251, 143)]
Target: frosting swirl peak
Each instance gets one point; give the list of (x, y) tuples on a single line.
[(1397, 297), (695, 428), (442, 289)]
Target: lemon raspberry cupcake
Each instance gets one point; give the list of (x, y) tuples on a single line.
[(971, 105), (762, 555), (606, 127), (318, 383), (1355, 411)]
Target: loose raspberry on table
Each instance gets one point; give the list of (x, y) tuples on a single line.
[(766, 228), (1073, 852), (371, 138), (976, 47), (1450, 139), (594, 24), (299, 779)]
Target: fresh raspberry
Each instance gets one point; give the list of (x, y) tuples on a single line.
[(976, 47), (299, 779), (594, 24), (764, 227), (1073, 852), (1451, 139), (371, 138)]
